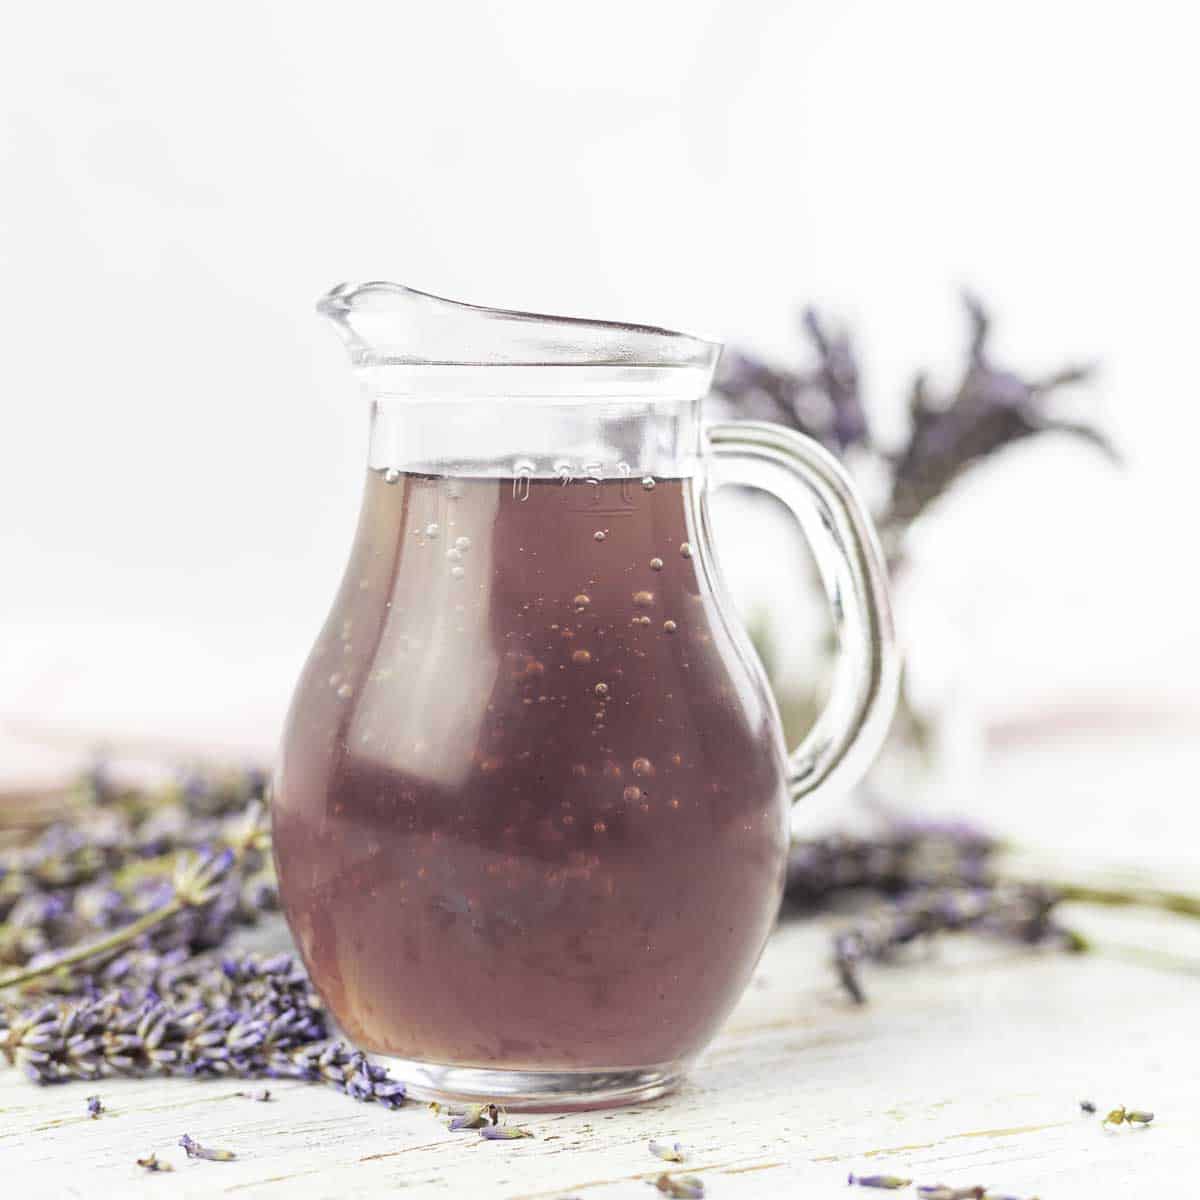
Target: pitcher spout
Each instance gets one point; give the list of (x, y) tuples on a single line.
[(389, 324)]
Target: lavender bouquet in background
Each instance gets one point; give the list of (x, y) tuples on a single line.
[(990, 409)]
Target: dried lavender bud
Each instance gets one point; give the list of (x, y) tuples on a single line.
[(94, 1106), (941, 1191), (503, 1133), (888, 1182), (262, 1095), (682, 1187), (195, 1150), (670, 1151), (1086, 1106), (1115, 1117), (152, 1163), (1136, 1116), (475, 1116)]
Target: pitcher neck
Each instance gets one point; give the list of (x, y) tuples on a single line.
[(536, 438), (457, 386)]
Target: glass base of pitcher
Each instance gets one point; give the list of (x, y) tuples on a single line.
[(532, 1091)]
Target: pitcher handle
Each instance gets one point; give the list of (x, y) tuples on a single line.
[(813, 486)]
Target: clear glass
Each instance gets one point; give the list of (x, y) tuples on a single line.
[(531, 808)]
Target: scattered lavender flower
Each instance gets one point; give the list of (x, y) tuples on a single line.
[(503, 1133), (153, 1163), (671, 1152), (262, 1095), (1128, 1116), (940, 1191), (95, 1106), (475, 1116), (195, 1150), (887, 1182), (680, 1187), (1086, 1106)]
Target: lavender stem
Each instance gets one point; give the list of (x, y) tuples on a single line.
[(121, 937)]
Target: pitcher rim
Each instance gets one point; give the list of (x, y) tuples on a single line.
[(582, 341)]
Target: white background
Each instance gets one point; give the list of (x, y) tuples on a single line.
[(183, 447)]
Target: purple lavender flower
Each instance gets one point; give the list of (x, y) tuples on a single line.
[(95, 1106), (197, 1016), (195, 1150), (681, 1187), (503, 1133)]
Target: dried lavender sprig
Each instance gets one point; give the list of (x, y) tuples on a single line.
[(991, 409), (902, 857), (80, 881), (197, 883), (1020, 913), (181, 1015)]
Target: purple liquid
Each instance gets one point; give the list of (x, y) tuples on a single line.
[(531, 810)]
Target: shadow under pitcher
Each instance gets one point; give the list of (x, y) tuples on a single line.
[(531, 808)]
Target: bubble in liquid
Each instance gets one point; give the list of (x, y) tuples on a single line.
[(643, 599), (462, 544), (632, 794), (643, 766), (457, 572), (656, 564), (598, 715), (669, 627), (599, 827), (581, 658), (599, 535), (581, 601), (454, 556), (601, 689), (533, 667), (677, 760), (649, 483), (641, 620), (391, 475), (432, 530), (345, 690), (685, 549)]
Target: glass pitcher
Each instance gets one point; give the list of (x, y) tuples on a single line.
[(531, 809)]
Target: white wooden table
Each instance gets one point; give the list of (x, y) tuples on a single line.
[(966, 1067)]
